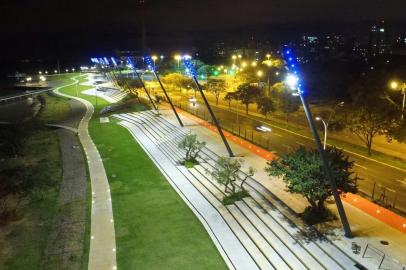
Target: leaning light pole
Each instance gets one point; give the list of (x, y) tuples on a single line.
[(192, 71), (293, 82), (132, 65), (148, 60)]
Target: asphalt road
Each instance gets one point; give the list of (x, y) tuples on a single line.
[(388, 181)]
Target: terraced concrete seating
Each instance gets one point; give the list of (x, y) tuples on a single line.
[(264, 226), (113, 93)]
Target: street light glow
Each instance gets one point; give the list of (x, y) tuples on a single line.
[(259, 73), (394, 85), (292, 81), (254, 64)]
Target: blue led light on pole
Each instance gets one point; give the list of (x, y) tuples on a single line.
[(132, 65), (192, 72), (293, 81), (148, 61)]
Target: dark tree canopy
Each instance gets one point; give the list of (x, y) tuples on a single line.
[(303, 173), (247, 93), (372, 110)]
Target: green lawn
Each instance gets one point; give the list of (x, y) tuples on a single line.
[(56, 109), (24, 240), (155, 229)]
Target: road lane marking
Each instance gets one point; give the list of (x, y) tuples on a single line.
[(402, 182), (306, 137), (365, 168), (299, 143), (287, 146), (276, 134)]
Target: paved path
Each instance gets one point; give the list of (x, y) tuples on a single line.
[(102, 253)]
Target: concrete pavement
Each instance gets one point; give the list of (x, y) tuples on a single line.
[(267, 234), (367, 229)]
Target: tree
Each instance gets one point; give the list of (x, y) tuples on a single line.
[(248, 75), (372, 111), (192, 146), (265, 106), (226, 172), (398, 131), (247, 93), (216, 87), (229, 97), (178, 81), (285, 101), (303, 173)]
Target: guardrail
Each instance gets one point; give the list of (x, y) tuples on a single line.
[(15, 98)]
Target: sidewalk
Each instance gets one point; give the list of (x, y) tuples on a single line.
[(366, 228), (102, 252)]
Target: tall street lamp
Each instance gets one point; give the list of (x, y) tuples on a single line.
[(292, 80), (395, 85), (154, 58), (178, 58)]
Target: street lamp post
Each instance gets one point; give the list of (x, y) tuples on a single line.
[(154, 58), (178, 58), (325, 131), (293, 82), (395, 85), (332, 113)]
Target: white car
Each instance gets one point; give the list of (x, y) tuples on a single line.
[(263, 128)]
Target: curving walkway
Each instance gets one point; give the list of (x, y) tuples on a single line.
[(102, 252)]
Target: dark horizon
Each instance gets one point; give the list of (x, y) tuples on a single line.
[(74, 31)]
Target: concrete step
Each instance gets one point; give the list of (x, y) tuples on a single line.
[(273, 257), (293, 257), (169, 135)]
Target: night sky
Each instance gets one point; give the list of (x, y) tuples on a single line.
[(41, 27)]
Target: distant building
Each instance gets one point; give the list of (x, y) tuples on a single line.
[(379, 42), (399, 46)]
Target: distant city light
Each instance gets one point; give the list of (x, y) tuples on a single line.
[(28, 79)]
